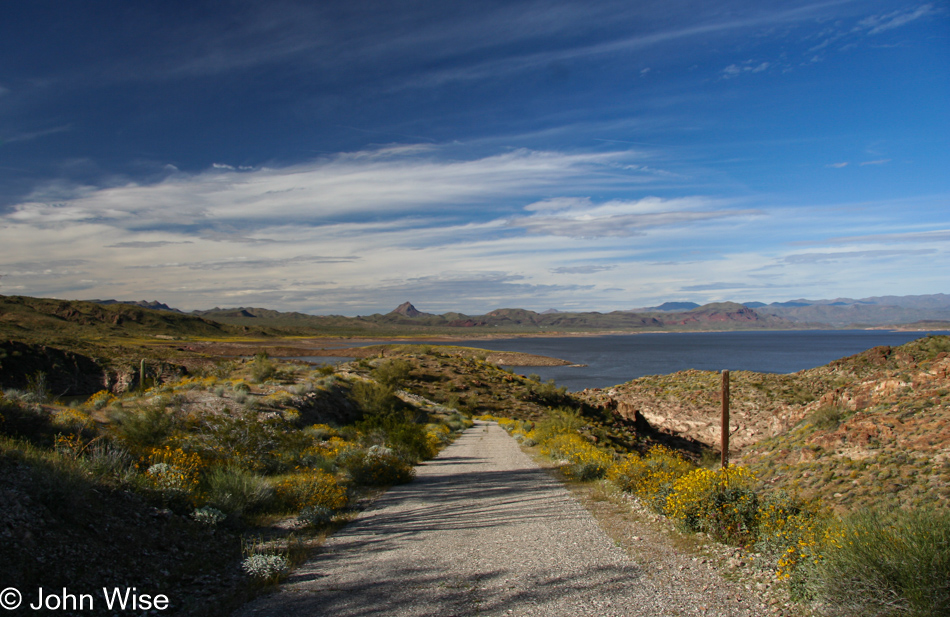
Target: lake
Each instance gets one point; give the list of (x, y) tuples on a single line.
[(617, 358), (614, 359)]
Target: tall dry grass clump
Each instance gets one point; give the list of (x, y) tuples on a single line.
[(886, 564)]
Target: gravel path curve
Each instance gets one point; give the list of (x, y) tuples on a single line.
[(484, 531)]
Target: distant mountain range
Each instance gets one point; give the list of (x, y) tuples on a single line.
[(839, 312), (875, 311)]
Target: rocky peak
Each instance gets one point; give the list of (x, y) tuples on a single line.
[(407, 309)]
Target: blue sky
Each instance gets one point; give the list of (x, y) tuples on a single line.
[(343, 157)]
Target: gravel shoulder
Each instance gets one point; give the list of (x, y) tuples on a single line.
[(483, 530)]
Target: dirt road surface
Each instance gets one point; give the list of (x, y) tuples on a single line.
[(484, 531)]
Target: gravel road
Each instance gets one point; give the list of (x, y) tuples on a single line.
[(484, 531)]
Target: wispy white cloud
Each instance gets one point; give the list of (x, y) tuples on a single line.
[(31, 135), (144, 244), (837, 165), (243, 263), (876, 24), (875, 162), (392, 181), (579, 217), (749, 66), (913, 237), (590, 269), (815, 258)]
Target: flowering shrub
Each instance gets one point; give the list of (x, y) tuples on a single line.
[(506, 423), (525, 438), (69, 445), (174, 472), (73, 420), (310, 488), (721, 502), (99, 400), (792, 531), (585, 461), (650, 478)]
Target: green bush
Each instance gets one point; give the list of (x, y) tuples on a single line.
[(262, 368), (374, 399), (827, 417), (236, 491), (108, 460), (377, 466), (146, 425), (392, 373), (558, 421), (245, 439), (894, 563)]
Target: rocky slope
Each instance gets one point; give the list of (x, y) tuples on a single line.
[(873, 428)]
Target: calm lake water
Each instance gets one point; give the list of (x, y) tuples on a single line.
[(614, 359)]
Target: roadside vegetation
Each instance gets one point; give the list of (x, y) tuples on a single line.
[(871, 562), (240, 467)]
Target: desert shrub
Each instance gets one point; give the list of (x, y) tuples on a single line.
[(374, 399), (280, 398), (74, 421), (146, 425), (893, 563), (174, 473), (585, 461), (524, 436), (438, 434), (109, 460), (508, 424), (310, 488), (316, 516), (377, 466), (99, 400), (321, 432), (458, 422), (721, 502), (265, 567), (546, 392), (208, 516), (558, 421), (398, 432), (392, 373), (826, 417), (261, 368), (237, 491), (244, 439), (325, 370), (37, 388), (323, 453), (651, 478), (785, 522)]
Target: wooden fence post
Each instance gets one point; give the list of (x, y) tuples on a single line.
[(725, 419)]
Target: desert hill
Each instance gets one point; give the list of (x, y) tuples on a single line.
[(870, 428)]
